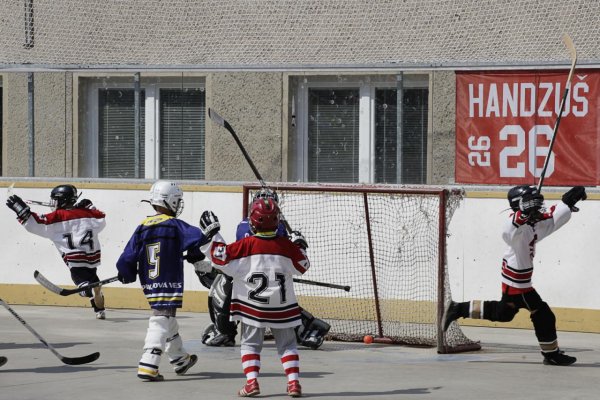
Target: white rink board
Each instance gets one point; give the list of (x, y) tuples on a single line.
[(566, 265), (24, 252)]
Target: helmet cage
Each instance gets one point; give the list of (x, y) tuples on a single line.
[(265, 193), (515, 195)]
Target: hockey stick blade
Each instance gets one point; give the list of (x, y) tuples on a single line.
[(323, 284), (221, 121), (42, 280), (80, 360), (66, 360)]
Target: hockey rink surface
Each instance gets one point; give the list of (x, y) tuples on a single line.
[(509, 366)]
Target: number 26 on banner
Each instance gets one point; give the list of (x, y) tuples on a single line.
[(510, 164)]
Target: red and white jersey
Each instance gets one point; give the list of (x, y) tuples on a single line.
[(74, 232), (521, 237), (262, 270)]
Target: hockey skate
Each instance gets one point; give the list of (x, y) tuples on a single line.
[(558, 357), (182, 370), (151, 378), (452, 313), (101, 315), (294, 389), (250, 389)]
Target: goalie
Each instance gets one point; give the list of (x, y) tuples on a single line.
[(222, 332)]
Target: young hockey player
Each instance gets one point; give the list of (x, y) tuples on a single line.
[(528, 224), (155, 253), (74, 229), (222, 331), (262, 267)]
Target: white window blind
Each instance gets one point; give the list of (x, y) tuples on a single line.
[(333, 135), (116, 140), (182, 127)]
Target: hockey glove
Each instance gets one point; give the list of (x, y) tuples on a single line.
[(531, 203), (209, 224), (203, 267), (297, 238), (16, 204), (85, 203), (194, 255), (124, 280), (574, 195)]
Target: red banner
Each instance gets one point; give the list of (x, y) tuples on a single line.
[(505, 121)]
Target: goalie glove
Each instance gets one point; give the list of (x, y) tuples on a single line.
[(297, 238), (209, 224), (22, 210), (574, 195)]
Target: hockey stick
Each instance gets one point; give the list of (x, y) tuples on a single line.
[(42, 280), (9, 192), (315, 283), (67, 360), (573, 53), (39, 203), (221, 121)]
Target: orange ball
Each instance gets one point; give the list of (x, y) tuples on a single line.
[(368, 339)]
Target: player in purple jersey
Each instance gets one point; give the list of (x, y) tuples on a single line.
[(155, 254)]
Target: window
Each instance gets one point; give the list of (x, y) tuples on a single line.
[(171, 135), (348, 129)]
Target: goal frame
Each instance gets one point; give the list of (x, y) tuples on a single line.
[(440, 192)]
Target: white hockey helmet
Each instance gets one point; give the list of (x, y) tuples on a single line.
[(168, 195)]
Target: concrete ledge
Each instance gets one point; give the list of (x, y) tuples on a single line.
[(568, 319)]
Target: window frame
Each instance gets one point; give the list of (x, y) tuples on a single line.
[(152, 87), (367, 85)]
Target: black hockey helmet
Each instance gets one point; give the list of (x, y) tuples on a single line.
[(516, 193), (63, 196)]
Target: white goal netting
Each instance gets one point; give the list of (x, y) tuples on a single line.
[(388, 245), (287, 34)]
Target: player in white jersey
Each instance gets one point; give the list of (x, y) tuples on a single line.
[(528, 224), (262, 267), (74, 229)]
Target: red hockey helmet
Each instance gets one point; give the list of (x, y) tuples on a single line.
[(264, 215)]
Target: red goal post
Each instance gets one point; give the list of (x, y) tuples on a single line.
[(389, 245)]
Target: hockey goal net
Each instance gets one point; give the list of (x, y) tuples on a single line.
[(389, 246)]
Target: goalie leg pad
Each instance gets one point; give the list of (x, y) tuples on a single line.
[(220, 297), (212, 337), (312, 332)]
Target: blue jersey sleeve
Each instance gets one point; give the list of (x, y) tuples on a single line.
[(127, 262), (191, 236)]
